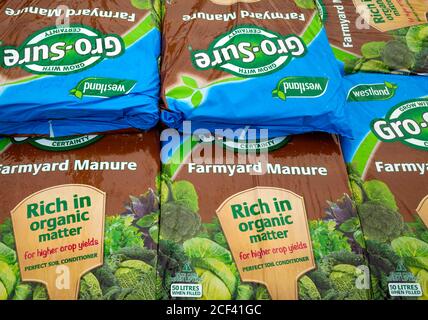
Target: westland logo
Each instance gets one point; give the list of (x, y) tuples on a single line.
[(59, 144), (406, 123), (102, 87), (372, 92), (62, 50), (300, 87), (249, 51)]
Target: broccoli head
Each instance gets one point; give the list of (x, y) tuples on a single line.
[(105, 277), (178, 222), (379, 222), (396, 55)]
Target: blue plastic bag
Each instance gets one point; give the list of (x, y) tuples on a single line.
[(374, 102), (264, 64), (76, 69)]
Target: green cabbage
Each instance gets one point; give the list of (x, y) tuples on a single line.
[(131, 271), (378, 191), (7, 254), (417, 38), (410, 247), (40, 293), (422, 278), (214, 265), (262, 293), (308, 289), (213, 287), (139, 277), (343, 278), (205, 248), (90, 288), (3, 292), (185, 193), (373, 66), (244, 292), (22, 291), (372, 50), (7, 277), (219, 269)]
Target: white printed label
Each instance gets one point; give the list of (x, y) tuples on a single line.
[(186, 290), (405, 289)]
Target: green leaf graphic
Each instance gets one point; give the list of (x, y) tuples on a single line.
[(78, 94), (391, 85), (181, 92), (281, 95), (190, 82), (197, 99)]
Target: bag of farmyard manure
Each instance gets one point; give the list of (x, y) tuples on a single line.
[(387, 36), (70, 217), (388, 164), (78, 67), (279, 227), (262, 63)]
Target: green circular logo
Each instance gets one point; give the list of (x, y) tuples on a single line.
[(61, 50), (406, 122), (249, 51)]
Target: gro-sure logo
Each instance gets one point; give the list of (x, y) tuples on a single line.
[(62, 50), (249, 51), (407, 123)]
